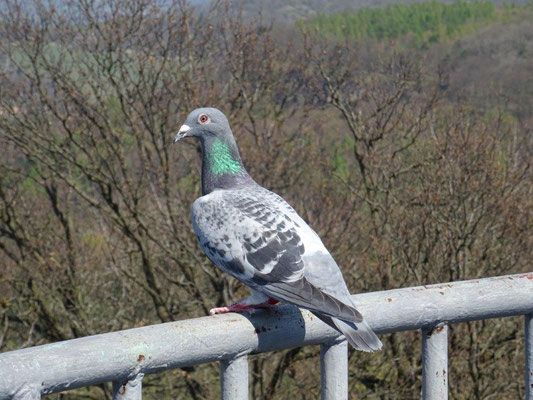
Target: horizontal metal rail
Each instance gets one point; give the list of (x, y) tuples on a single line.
[(125, 356)]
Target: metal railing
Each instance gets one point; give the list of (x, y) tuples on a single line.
[(124, 357)]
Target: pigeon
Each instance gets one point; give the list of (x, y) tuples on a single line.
[(255, 236)]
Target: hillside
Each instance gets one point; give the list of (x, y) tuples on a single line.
[(496, 59), (288, 11), (482, 49)]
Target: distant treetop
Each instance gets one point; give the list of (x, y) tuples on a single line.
[(429, 20)]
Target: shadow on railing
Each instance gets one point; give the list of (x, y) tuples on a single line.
[(124, 357)]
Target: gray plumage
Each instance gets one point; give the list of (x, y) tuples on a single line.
[(257, 237)]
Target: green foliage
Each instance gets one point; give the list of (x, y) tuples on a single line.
[(340, 163), (30, 183), (429, 21)]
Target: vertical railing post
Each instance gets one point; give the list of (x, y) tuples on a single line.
[(128, 389), (529, 356), (334, 370), (234, 379), (435, 363)]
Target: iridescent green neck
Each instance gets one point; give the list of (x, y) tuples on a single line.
[(221, 161), (222, 166)]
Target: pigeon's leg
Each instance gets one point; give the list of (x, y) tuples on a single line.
[(256, 300)]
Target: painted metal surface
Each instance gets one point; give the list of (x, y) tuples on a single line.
[(454, 302), (334, 370), (529, 356), (234, 379), (128, 389), (435, 363), (125, 354), (28, 393)]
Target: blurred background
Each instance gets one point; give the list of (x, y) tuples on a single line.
[(400, 131)]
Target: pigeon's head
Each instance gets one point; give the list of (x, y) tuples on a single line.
[(205, 123), (222, 166)]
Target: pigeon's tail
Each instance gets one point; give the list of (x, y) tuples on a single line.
[(358, 334)]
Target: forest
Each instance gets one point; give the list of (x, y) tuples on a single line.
[(433, 19), (409, 154)]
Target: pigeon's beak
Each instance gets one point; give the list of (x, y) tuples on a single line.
[(182, 133)]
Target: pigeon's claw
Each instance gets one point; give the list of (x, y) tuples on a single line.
[(240, 307), (219, 310), (237, 307)]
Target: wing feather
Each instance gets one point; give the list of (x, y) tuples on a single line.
[(304, 294)]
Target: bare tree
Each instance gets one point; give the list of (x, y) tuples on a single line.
[(404, 186)]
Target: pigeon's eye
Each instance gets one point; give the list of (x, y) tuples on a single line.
[(203, 119)]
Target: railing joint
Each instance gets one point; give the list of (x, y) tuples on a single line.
[(129, 388)]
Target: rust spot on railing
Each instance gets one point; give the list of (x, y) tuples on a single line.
[(435, 330)]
